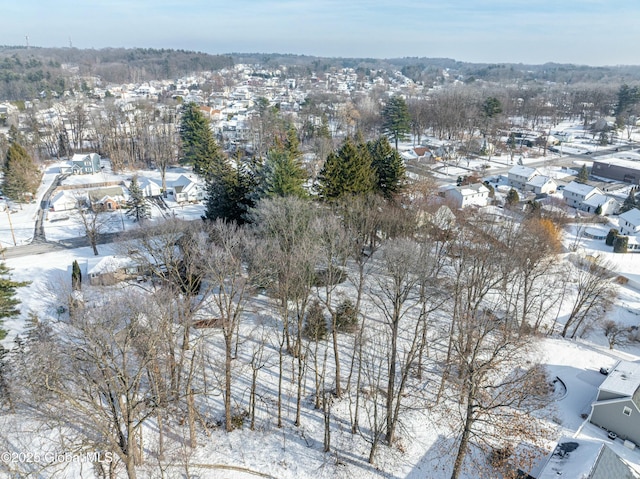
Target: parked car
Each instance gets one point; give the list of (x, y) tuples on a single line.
[(612, 435), (604, 371)]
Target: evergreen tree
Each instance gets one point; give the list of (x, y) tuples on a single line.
[(620, 244), (8, 301), (198, 145), (21, 174), (282, 175), (292, 144), (231, 193), (137, 205), (76, 276), (627, 97), (491, 107), (611, 236), (512, 197), (396, 123), (583, 175), (388, 167), (598, 210), (629, 202), (347, 172)]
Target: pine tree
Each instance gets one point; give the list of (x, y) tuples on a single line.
[(629, 202), (620, 244), (512, 197), (76, 276), (199, 147), (396, 123), (137, 205), (611, 236), (347, 172), (388, 167), (583, 175), (282, 175), (231, 194), (21, 174), (8, 301)]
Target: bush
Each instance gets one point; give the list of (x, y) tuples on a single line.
[(315, 326), (611, 236), (620, 244), (346, 316)]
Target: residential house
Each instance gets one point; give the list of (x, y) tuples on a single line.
[(63, 201), (469, 195), (629, 222), (149, 187), (184, 190), (608, 205), (584, 459), (617, 406), (576, 193), (111, 270), (82, 164), (520, 175), (541, 185), (111, 198)]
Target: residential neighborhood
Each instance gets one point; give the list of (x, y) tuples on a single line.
[(320, 268)]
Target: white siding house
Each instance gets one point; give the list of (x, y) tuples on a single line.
[(520, 175), (607, 204), (468, 195), (630, 222), (576, 193), (541, 184)]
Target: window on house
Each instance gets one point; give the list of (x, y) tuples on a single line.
[(626, 411)]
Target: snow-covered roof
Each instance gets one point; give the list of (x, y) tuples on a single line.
[(619, 162), (624, 379), (521, 170), (632, 216), (597, 200), (472, 189), (579, 188), (539, 180), (581, 459), (109, 264)]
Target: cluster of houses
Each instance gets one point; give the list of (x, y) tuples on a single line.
[(112, 196)]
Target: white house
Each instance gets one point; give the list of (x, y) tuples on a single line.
[(630, 222), (468, 195), (185, 189), (541, 184), (576, 193), (149, 187), (608, 205), (520, 175), (63, 201)]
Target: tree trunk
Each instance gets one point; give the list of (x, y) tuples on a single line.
[(227, 381), (464, 440)]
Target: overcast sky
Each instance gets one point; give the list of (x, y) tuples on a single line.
[(590, 32)]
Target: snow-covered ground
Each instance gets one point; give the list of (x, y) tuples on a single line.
[(65, 224), (426, 442)]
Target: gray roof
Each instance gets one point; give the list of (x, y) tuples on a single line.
[(623, 380), (585, 459)]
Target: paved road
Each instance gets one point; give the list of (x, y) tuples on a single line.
[(38, 234)]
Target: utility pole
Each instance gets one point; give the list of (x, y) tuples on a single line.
[(27, 37), (11, 226)]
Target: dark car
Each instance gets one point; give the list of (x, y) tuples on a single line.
[(604, 371)]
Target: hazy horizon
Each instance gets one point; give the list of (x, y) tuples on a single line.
[(585, 32)]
